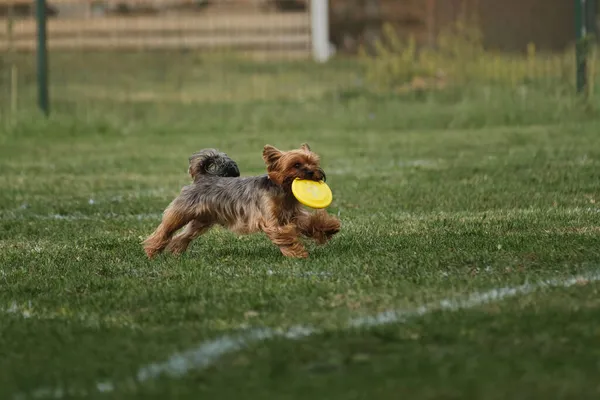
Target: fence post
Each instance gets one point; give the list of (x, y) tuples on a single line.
[(591, 27), (10, 38), (319, 11), (580, 45), (42, 57), (591, 15)]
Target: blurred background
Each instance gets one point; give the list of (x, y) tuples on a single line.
[(123, 56)]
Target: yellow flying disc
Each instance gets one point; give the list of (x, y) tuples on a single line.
[(312, 193)]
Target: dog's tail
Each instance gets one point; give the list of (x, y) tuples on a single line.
[(212, 162)]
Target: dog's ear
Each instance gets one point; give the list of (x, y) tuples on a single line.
[(271, 154), (305, 147)]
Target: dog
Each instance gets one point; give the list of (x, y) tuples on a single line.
[(245, 205)]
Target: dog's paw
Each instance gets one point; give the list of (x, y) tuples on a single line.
[(294, 253), (177, 247)]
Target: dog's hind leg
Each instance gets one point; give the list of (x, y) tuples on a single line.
[(192, 230), (173, 219)]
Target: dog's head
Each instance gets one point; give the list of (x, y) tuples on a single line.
[(285, 166)]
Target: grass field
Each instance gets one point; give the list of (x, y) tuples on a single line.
[(466, 215)]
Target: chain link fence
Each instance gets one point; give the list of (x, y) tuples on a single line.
[(107, 55)]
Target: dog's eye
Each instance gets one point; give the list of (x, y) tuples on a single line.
[(297, 165)]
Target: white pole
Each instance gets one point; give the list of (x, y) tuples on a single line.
[(320, 30)]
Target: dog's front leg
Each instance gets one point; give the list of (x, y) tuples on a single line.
[(286, 238), (318, 225)]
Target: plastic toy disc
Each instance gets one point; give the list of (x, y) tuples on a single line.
[(312, 193)]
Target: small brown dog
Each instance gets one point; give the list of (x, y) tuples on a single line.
[(244, 205)]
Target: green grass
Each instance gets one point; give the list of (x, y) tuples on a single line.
[(440, 195)]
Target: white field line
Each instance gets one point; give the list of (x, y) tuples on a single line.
[(380, 170), (13, 216), (207, 353), (80, 217), (29, 311)]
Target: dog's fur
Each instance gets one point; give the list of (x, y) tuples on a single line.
[(244, 205)]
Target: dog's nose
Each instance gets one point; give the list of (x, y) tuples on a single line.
[(309, 173)]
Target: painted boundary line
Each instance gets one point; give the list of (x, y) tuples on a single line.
[(29, 311), (80, 217), (15, 216), (209, 352)]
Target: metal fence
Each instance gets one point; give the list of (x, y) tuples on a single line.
[(121, 51), (163, 25)]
